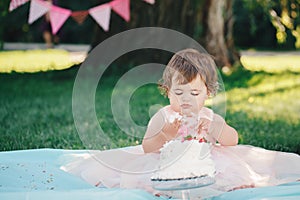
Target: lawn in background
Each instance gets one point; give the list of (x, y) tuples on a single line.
[(36, 109), (35, 60)]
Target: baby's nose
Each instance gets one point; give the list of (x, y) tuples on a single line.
[(185, 98)]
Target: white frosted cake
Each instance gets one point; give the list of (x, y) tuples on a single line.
[(184, 160)]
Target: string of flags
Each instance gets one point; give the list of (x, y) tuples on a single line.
[(58, 16)]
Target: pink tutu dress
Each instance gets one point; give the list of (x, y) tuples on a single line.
[(235, 166)]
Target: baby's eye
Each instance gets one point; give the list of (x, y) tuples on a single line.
[(178, 93), (195, 93)]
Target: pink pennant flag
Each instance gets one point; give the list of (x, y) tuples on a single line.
[(102, 15), (122, 8), (16, 3), (58, 16), (150, 1), (37, 9)]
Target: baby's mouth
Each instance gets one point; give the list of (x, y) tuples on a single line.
[(185, 106)]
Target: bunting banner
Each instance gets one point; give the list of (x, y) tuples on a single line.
[(58, 16), (79, 16), (122, 8), (101, 14), (16, 3), (150, 1), (37, 9)]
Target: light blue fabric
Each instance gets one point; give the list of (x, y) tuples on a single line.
[(35, 174)]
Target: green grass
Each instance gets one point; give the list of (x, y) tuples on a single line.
[(265, 110), (36, 109)]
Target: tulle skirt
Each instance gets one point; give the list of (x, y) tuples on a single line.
[(236, 166)]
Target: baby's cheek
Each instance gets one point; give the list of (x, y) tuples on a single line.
[(174, 104), (175, 107), (201, 101)]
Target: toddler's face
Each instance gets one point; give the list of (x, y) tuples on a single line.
[(188, 98)]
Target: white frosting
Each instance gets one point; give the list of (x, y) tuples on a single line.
[(186, 159), (189, 124), (173, 117)]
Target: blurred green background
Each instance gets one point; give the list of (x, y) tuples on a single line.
[(260, 70)]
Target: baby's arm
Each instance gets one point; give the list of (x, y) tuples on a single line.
[(159, 131), (222, 132)]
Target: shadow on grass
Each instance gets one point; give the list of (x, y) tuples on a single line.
[(243, 78)]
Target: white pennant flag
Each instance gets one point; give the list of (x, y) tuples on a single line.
[(150, 1), (37, 9), (16, 3), (102, 15)]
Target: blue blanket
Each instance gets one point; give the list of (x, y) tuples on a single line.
[(35, 174)]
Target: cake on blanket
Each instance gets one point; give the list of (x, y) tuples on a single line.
[(181, 160), (187, 156)]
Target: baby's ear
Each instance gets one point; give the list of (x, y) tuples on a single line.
[(167, 92), (207, 94)]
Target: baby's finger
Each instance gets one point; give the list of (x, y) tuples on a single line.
[(177, 123), (202, 123), (203, 126)]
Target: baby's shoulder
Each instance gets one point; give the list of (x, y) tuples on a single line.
[(162, 114), (206, 113), (157, 121), (206, 109)]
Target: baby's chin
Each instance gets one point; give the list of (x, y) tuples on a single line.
[(186, 111), (189, 111)]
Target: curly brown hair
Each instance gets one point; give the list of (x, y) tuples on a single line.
[(189, 63)]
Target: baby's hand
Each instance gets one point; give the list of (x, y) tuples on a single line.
[(203, 126), (206, 117), (203, 130), (171, 127)]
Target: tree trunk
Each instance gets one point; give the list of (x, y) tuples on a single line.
[(233, 55), (214, 32), (209, 22)]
